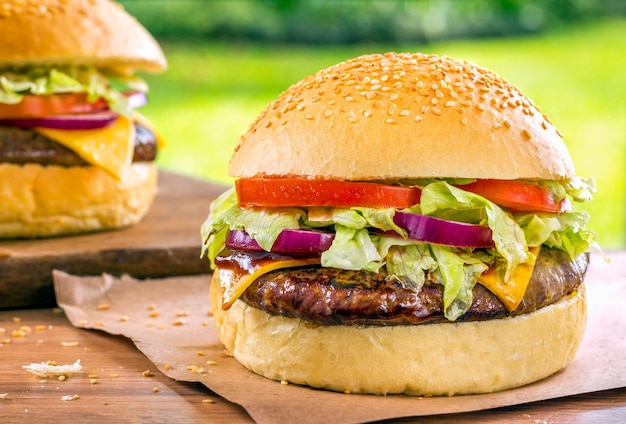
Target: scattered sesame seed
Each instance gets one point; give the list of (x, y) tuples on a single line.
[(208, 400), (104, 307), (284, 382), (155, 389), (527, 133), (69, 344), (93, 381), (147, 373)]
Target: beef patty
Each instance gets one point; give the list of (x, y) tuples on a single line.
[(333, 296), (23, 145)]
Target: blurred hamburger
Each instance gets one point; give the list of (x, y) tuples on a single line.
[(401, 223), (75, 156)]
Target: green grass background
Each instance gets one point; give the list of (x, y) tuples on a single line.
[(213, 91)]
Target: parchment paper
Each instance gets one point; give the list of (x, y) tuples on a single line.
[(169, 321)]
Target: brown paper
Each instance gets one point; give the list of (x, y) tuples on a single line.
[(170, 322)]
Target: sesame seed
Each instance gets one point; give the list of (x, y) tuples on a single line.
[(308, 116), (433, 100), (404, 112), (450, 103), (390, 121), (526, 133), (367, 113), (436, 111), (393, 97), (327, 113), (480, 107), (507, 123), (464, 121), (370, 95)]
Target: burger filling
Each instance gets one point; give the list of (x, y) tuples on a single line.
[(74, 116), (407, 252), (24, 145)]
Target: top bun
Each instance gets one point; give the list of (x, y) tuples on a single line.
[(395, 116), (75, 32)]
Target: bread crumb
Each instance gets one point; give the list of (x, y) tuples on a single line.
[(45, 369), (147, 373), (155, 389), (208, 400), (69, 344), (69, 397), (168, 367), (179, 321), (284, 382)]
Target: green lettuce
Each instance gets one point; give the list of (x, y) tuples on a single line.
[(361, 244), (42, 80), (444, 201)]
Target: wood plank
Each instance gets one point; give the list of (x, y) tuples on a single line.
[(166, 243), (111, 387), (122, 393)]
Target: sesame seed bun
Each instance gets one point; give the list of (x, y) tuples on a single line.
[(419, 116), (75, 32)]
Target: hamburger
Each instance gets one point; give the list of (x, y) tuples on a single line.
[(75, 156), (401, 223)]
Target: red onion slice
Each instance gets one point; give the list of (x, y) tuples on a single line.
[(84, 121), (439, 231), (136, 99), (289, 241)]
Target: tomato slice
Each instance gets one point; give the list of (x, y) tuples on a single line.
[(53, 104), (300, 192), (518, 195)]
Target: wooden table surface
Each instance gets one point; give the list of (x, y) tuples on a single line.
[(113, 385)]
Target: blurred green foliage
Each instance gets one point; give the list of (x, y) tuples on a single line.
[(359, 21)]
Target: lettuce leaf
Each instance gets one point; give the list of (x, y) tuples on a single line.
[(352, 250), (444, 201), (42, 80)]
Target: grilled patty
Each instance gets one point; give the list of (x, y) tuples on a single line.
[(23, 145), (332, 296)]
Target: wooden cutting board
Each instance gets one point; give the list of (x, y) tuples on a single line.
[(165, 243)]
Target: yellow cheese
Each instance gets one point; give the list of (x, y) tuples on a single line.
[(234, 283), (110, 148), (510, 292)]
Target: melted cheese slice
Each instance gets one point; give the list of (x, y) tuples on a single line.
[(235, 283), (510, 292), (110, 148)]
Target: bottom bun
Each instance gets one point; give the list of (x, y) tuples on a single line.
[(432, 359), (44, 201)]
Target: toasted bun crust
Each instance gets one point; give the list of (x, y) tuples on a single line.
[(82, 199), (431, 359), (75, 32), (393, 116)]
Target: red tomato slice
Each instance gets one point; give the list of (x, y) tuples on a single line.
[(298, 192), (54, 104), (518, 195)]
